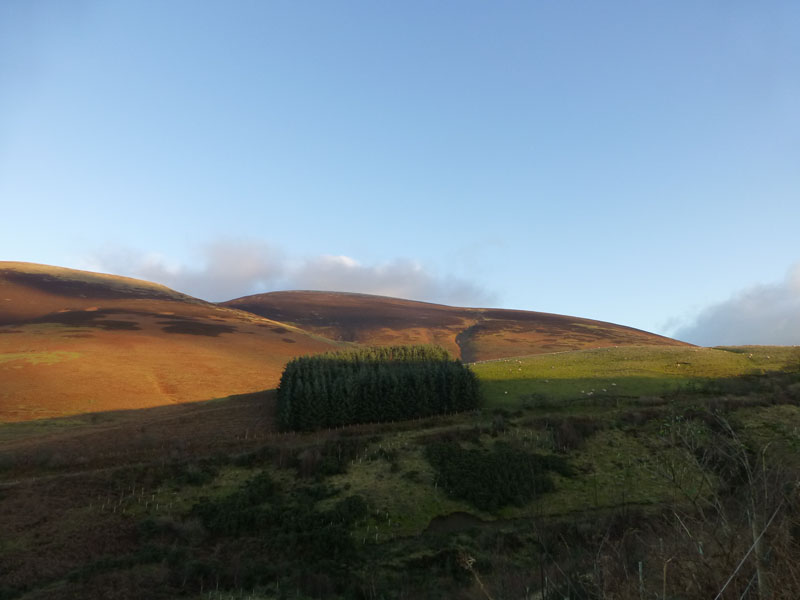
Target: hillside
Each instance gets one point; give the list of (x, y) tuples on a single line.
[(547, 492), (73, 342), (474, 334)]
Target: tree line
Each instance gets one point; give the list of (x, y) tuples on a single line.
[(371, 385)]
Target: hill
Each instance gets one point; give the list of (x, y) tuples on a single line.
[(547, 492), (474, 334), (75, 342)]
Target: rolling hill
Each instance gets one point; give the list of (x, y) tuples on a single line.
[(75, 342), (474, 334), (632, 453)]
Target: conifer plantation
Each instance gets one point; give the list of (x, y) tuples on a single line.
[(371, 385)]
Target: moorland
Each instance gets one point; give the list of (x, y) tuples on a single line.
[(140, 455)]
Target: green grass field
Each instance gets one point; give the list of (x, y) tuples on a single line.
[(626, 372), (602, 385)]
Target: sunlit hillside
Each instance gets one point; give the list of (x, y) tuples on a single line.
[(74, 342)]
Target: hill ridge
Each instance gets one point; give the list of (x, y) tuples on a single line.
[(76, 341), (467, 332)]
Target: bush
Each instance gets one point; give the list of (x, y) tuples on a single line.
[(570, 433), (491, 480)]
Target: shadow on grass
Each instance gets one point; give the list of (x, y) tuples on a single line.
[(609, 391), (98, 319), (121, 436)]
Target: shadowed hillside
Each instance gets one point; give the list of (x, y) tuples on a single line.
[(74, 342), (472, 333)]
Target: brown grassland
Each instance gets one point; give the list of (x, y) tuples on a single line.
[(75, 342), (473, 334)]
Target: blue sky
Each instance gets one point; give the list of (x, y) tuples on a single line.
[(635, 162)]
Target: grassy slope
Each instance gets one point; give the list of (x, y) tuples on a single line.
[(74, 342), (471, 333), (617, 460), (621, 372)]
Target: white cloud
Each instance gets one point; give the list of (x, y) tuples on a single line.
[(232, 269), (400, 278), (227, 269), (762, 314)]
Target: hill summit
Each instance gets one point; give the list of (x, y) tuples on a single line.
[(473, 334)]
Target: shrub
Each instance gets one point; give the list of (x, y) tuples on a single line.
[(570, 433), (491, 480)]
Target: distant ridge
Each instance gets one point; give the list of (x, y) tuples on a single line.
[(471, 333)]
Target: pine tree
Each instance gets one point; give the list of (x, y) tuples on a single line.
[(373, 384)]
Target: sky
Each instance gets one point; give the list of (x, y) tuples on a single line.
[(629, 161)]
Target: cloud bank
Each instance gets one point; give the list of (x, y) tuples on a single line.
[(230, 270), (401, 278), (762, 314)]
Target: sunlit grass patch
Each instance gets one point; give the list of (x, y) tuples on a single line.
[(39, 358), (630, 371), (401, 492)]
